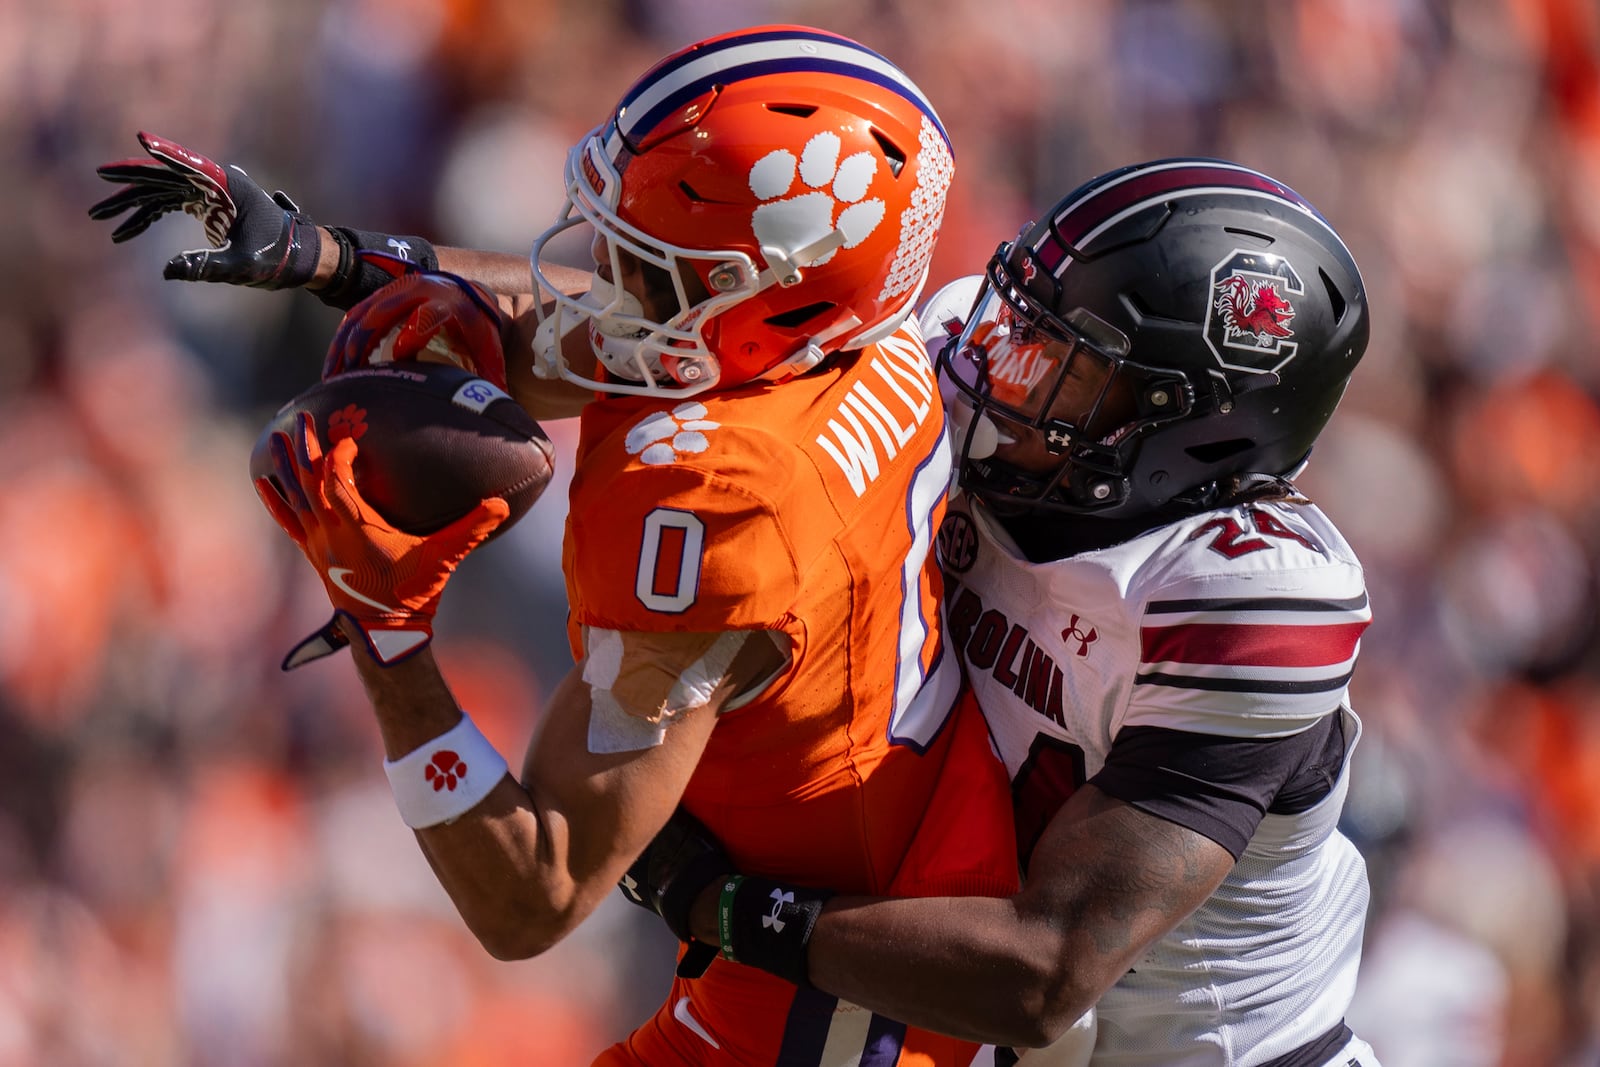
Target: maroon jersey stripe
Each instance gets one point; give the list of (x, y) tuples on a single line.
[(1247, 645)]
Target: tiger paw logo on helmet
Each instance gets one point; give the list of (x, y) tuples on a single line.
[(832, 181), (826, 181)]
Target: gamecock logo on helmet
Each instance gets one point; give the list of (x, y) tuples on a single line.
[(1248, 321)]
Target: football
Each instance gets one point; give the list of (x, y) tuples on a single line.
[(432, 441)]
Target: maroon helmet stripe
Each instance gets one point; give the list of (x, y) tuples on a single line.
[(1050, 252), (1083, 216)]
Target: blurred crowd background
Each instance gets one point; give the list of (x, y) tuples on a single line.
[(200, 863)]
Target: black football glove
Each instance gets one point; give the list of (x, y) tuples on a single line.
[(257, 240), (669, 874)]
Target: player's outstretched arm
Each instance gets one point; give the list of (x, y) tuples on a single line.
[(267, 242), (255, 239), (1106, 880)]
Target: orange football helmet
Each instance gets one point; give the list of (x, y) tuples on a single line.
[(785, 184)]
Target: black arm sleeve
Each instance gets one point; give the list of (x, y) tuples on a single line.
[(1222, 787)]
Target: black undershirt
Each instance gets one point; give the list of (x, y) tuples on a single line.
[(1045, 536), (1222, 787)]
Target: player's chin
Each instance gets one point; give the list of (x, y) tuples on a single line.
[(577, 350), (1027, 453)]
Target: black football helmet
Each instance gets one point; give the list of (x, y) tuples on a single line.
[(1164, 328)]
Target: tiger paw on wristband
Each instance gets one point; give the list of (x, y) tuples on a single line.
[(442, 780)]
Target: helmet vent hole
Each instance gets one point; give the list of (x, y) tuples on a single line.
[(1335, 297), (1253, 235), (1142, 312), (1217, 451), (1135, 303), (792, 319), (799, 111), (896, 158)]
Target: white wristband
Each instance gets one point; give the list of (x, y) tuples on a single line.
[(446, 777)]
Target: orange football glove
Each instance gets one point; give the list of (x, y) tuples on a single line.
[(386, 581)]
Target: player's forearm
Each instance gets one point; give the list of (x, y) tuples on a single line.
[(970, 967), (508, 273), (507, 879), (504, 273), (511, 278), (1105, 881)]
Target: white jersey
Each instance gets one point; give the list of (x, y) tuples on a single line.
[(1240, 622)]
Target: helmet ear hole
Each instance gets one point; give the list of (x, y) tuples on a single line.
[(797, 317), (1217, 451)]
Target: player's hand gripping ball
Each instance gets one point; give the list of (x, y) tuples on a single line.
[(432, 441), (421, 315), (432, 438), (386, 474)]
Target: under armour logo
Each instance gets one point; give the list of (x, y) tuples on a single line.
[(401, 248), (1029, 271), (631, 887), (1058, 438), (772, 922), (1074, 633)]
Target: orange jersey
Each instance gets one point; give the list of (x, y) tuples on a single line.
[(805, 508)]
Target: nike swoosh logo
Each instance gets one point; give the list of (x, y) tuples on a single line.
[(337, 576), (680, 1011)]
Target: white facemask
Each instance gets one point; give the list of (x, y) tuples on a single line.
[(615, 340)]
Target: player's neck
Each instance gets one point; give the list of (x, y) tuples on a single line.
[(1045, 536)]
